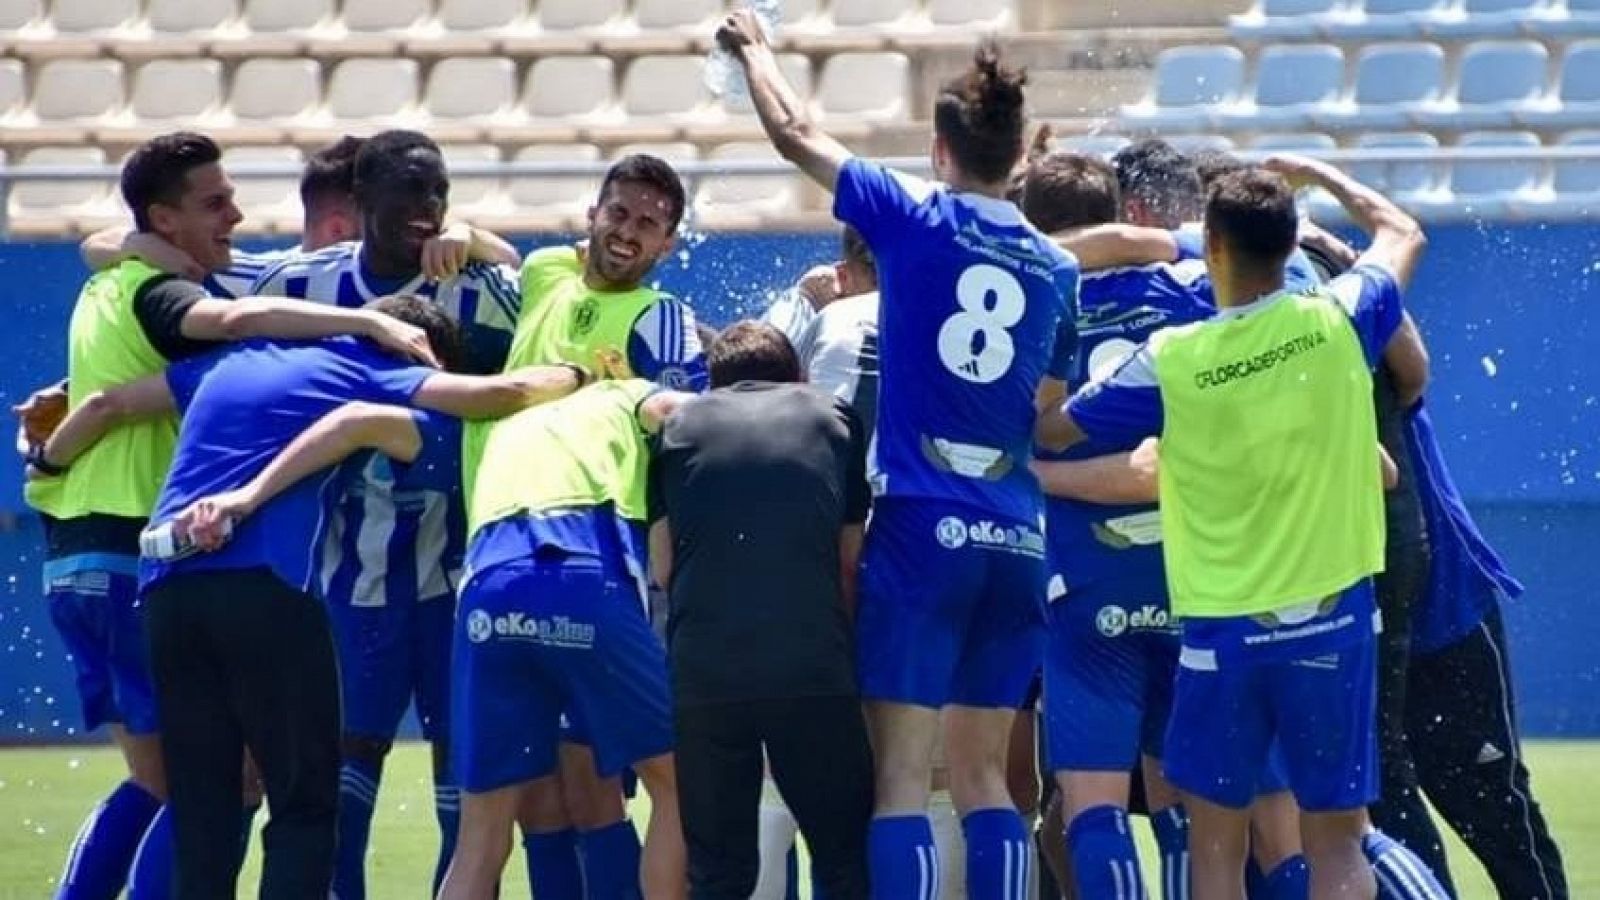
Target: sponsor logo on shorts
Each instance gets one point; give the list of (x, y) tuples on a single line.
[(557, 631), (1114, 621), (954, 533), (674, 378)]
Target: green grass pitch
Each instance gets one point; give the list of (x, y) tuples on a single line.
[(45, 792)]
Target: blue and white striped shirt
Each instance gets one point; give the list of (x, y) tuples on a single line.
[(387, 543), (246, 269)]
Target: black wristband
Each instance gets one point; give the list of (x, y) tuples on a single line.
[(37, 460), (584, 376)]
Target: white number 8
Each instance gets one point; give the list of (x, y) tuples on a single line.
[(974, 343)]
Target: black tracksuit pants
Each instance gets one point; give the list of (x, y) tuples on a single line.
[(243, 660)]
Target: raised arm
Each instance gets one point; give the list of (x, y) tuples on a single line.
[(1116, 244), (446, 254), (1397, 239), (109, 246), (100, 412), (782, 112), (496, 396)]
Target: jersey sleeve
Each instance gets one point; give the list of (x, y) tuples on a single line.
[(160, 305), (664, 347), (437, 466), (791, 313), (1065, 349), (1124, 407), (396, 384), (1370, 296), (876, 199), (242, 274), (493, 318), (1191, 243)]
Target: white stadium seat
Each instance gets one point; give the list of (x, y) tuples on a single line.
[(472, 193), (664, 86), (60, 196), (469, 88), (566, 195), (697, 15), (865, 85), (747, 194), (970, 13), (796, 67), (673, 152), (265, 197), (271, 16), (177, 16), (871, 13), (77, 89), (18, 14), (13, 89), (1293, 143), (566, 15), (270, 89), (384, 15), (372, 88), (565, 87), (481, 15), (92, 15), (1093, 144), (177, 89)]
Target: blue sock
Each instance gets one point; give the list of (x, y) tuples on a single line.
[(152, 876), (791, 874), (1291, 880), (902, 858), (611, 862), (247, 824), (447, 810), (1401, 875), (1255, 882), (998, 854), (1171, 826), (1103, 857), (97, 866), (554, 872), (358, 793)]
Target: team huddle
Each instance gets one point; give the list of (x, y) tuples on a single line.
[(1129, 448)]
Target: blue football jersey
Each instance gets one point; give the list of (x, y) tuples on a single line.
[(1118, 310), (1298, 272), (976, 308)]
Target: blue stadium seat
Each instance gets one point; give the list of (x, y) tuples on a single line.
[(1404, 180), (1283, 19), (1498, 79), (1578, 179), (1577, 99), (1292, 81), (1189, 81), (1490, 18), (1386, 20), (1392, 81), (1490, 188), (1581, 18)]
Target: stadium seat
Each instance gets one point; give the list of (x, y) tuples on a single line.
[(13, 90), (266, 200), (1489, 18), (1498, 78), (664, 87), (1292, 81), (59, 197), (1578, 18), (1488, 188), (985, 14), (1578, 180), (15, 15), (271, 16), (796, 68), (1189, 82), (689, 15), (562, 15), (569, 87), (871, 13), (1403, 179), (471, 88), (1282, 19), (93, 15), (1378, 20), (1293, 143), (268, 90), (384, 15), (865, 86), (674, 152), (721, 198), (473, 194), (1198, 143), (1093, 144), (68, 90), (372, 88), (1392, 81), (555, 196), (181, 16), (1577, 98), (481, 15), (172, 89)]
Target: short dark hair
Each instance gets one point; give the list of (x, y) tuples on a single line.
[(752, 351), (1211, 163), (158, 172), (444, 333), (642, 168), (1156, 174), (979, 113), (854, 251), (1252, 211), (330, 173), (1070, 190), (382, 158)]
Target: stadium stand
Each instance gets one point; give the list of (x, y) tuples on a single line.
[(566, 80)]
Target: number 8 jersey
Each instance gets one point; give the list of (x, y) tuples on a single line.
[(976, 307)]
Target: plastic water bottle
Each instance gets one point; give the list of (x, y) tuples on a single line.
[(723, 76), (163, 542)]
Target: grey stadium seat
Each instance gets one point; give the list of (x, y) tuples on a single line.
[(1498, 79), (1392, 81)]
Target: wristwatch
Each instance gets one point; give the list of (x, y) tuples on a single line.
[(36, 459)]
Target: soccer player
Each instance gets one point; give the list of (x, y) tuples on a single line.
[(130, 321), (974, 309), (1271, 397), (838, 347), (390, 568), (1113, 647)]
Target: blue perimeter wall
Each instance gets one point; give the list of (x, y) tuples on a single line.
[(1511, 314)]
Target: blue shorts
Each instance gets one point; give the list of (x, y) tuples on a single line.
[(1321, 710), (99, 617), (1108, 672), (537, 637), (389, 655), (952, 606)]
